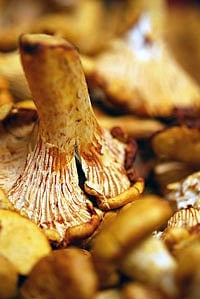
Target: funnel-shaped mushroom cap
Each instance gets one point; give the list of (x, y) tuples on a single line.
[(67, 148)]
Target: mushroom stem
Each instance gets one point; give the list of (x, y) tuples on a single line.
[(54, 72)]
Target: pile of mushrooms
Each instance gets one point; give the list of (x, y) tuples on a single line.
[(66, 161)]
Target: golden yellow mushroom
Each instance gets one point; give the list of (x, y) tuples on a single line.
[(68, 157)]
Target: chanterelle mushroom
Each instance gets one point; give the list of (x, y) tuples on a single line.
[(48, 188)]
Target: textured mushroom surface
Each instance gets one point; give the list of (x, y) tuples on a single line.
[(67, 152), (185, 217)]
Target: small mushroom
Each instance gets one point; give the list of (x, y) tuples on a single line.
[(186, 191), (68, 153)]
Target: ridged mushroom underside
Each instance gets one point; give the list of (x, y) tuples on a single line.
[(68, 148), (103, 165), (48, 190)]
